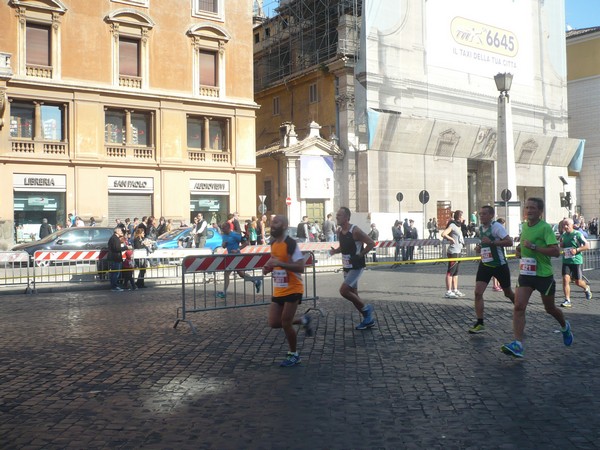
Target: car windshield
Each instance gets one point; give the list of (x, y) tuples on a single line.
[(170, 235), (51, 237)]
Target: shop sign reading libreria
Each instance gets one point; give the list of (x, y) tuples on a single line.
[(215, 187), (131, 185), (39, 182)]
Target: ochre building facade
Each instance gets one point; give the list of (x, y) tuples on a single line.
[(124, 108)]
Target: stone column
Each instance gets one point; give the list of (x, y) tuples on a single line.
[(506, 177)]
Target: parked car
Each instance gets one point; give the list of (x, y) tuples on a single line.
[(171, 239), (76, 238)]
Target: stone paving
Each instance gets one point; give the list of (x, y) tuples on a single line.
[(97, 369)]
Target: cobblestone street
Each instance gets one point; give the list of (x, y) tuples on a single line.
[(97, 369)]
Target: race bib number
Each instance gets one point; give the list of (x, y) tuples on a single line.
[(528, 266), (486, 254), (346, 263), (280, 278), (569, 252)]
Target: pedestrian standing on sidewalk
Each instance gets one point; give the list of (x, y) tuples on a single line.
[(538, 244), (354, 245), (232, 241), (287, 266), (374, 234), (493, 262), (127, 273), (573, 243), (453, 233), (115, 257)]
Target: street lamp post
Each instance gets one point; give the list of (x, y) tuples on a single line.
[(506, 171)]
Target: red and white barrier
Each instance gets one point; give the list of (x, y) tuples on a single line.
[(73, 255), (223, 262), (231, 262)]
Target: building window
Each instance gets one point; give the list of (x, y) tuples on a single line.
[(38, 128), (313, 96), (34, 120), (208, 68), (275, 106), (208, 5), (38, 45), (208, 47), (140, 129), (267, 32), (212, 9), (128, 127), (195, 135), (131, 31), (39, 38), (129, 57), (21, 120), (114, 128), (256, 38), (206, 133)]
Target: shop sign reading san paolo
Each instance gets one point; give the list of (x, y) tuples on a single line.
[(130, 185)]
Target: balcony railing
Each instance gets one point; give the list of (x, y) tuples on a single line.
[(130, 82), (209, 156), (55, 148), (38, 71), (209, 91), (130, 152), (29, 147)]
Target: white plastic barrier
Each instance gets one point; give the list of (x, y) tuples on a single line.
[(14, 269)]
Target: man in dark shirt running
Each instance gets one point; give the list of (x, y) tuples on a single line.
[(354, 245)]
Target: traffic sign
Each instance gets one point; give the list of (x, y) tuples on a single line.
[(288, 201), (423, 196), (506, 195), (262, 208), (262, 198), (399, 196)]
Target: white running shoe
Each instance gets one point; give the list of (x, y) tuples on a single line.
[(450, 294), (458, 293)]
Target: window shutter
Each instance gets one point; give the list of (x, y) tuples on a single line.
[(38, 45)]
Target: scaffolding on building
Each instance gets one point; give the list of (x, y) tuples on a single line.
[(292, 36)]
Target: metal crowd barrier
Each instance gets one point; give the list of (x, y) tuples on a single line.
[(200, 283), (591, 259), (91, 266), (15, 270)]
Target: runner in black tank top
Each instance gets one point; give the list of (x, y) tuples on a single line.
[(354, 245)]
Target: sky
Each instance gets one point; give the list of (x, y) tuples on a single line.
[(582, 13), (579, 13)]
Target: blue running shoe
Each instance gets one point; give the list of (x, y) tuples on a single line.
[(258, 284), (513, 349), (290, 361), (568, 335), (221, 294), (588, 293), (368, 321)]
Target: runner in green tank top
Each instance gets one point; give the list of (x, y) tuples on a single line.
[(573, 243), (538, 245)]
